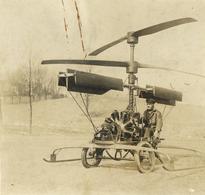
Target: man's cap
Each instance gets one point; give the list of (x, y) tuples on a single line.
[(150, 101)]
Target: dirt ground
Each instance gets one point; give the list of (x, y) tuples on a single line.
[(25, 173), (58, 123)]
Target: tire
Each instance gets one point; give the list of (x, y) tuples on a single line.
[(145, 159), (91, 157)]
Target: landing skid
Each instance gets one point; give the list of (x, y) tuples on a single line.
[(166, 162), (59, 161)]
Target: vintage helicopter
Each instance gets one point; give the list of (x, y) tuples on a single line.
[(115, 136)]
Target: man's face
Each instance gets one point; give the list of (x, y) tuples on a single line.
[(150, 106)]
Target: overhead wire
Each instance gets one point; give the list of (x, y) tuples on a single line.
[(82, 44), (65, 21), (86, 114), (80, 28), (85, 55)]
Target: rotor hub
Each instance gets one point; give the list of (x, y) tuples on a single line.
[(131, 39)]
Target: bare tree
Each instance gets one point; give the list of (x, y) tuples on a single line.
[(38, 81), (1, 98), (30, 96), (41, 84)]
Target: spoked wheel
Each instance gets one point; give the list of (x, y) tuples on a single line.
[(91, 157), (145, 159)]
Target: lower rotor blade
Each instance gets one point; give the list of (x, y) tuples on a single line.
[(168, 69), (103, 48), (88, 62)]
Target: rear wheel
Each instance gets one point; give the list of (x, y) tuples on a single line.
[(91, 157), (145, 159)]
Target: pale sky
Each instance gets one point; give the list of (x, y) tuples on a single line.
[(36, 26)]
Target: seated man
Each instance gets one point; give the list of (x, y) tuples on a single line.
[(152, 120)]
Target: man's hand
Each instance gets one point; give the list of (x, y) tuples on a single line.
[(156, 139)]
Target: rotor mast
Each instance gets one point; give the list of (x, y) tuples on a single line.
[(132, 66), (131, 70)]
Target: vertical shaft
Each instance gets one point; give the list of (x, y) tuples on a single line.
[(131, 69), (131, 78), (131, 91)]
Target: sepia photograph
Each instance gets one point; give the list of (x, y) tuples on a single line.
[(101, 97)]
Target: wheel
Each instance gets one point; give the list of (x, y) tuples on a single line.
[(91, 157), (145, 159)]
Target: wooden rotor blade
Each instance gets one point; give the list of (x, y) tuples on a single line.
[(162, 26), (168, 69), (145, 31), (87, 62), (103, 48)]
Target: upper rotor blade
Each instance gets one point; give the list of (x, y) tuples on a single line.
[(87, 62), (103, 48), (168, 69), (145, 31), (162, 26)]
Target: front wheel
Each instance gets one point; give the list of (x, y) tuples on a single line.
[(91, 157), (145, 159)]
